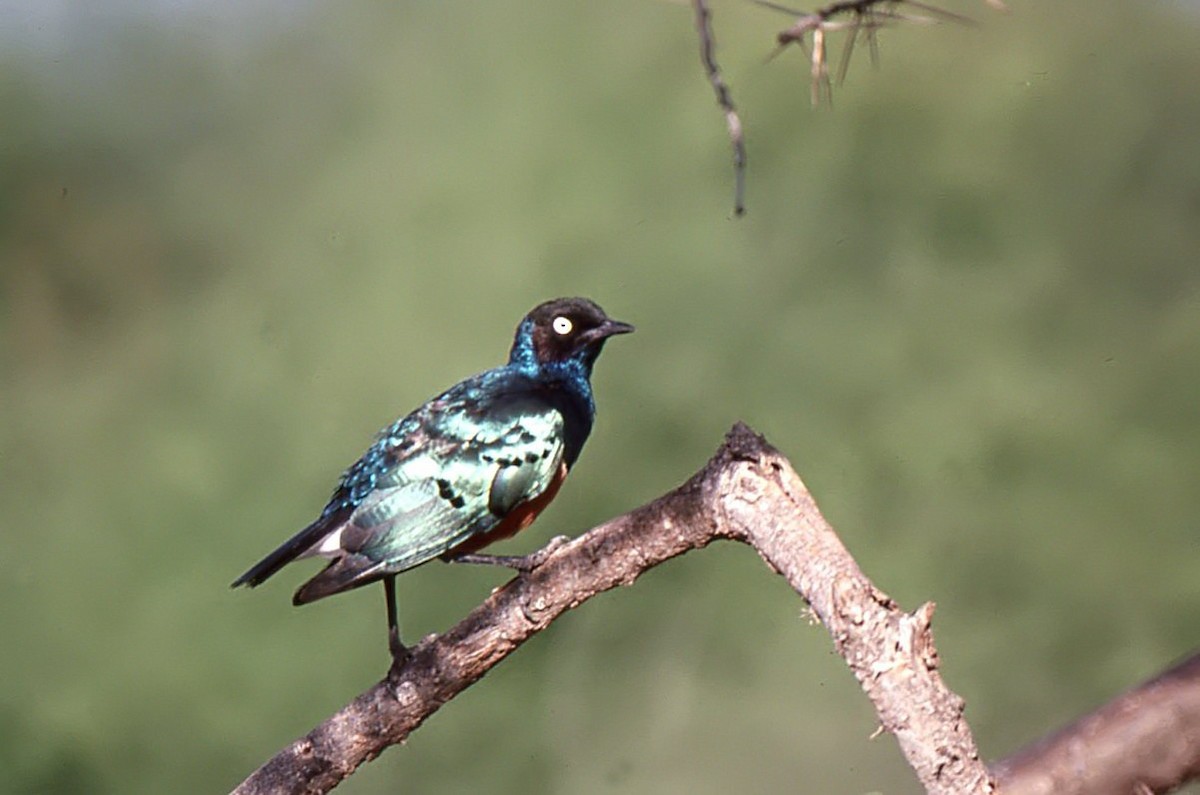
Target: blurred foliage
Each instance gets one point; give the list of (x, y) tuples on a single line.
[(965, 303)]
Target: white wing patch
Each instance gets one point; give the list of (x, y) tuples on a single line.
[(329, 547)]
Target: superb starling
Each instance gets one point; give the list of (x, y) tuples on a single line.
[(475, 464)]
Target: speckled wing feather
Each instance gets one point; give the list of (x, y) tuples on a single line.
[(445, 474)]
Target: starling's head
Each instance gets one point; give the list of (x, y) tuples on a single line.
[(563, 330)]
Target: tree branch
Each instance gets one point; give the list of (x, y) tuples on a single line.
[(748, 492), (1147, 740)]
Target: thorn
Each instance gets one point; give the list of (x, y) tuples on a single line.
[(820, 74), (848, 49)]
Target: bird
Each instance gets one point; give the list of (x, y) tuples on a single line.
[(471, 466)]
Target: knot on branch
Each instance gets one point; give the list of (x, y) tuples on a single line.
[(916, 636)]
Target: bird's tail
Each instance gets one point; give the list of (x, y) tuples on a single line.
[(290, 550)]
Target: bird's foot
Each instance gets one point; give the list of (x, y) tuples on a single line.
[(552, 546), (400, 652), (522, 563)]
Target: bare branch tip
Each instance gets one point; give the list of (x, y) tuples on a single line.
[(744, 443)]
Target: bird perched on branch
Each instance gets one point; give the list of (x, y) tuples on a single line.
[(474, 465)]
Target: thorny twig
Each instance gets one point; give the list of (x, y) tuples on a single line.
[(865, 17), (858, 17)]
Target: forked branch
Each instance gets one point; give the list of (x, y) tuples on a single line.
[(1146, 741), (748, 492)]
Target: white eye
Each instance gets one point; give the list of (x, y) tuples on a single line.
[(562, 325)]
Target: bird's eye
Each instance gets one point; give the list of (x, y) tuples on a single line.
[(562, 325)]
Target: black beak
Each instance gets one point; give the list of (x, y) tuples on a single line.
[(612, 327), (605, 330)]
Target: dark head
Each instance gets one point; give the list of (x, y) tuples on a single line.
[(565, 332)]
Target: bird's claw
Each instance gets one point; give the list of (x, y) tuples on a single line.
[(400, 652), (555, 544), (536, 560)]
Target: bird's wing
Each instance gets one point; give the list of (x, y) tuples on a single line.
[(465, 466)]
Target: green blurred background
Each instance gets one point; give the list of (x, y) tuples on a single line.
[(236, 240)]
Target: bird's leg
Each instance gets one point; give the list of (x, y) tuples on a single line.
[(399, 650), (522, 563)]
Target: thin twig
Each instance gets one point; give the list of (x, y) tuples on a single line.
[(733, 122)]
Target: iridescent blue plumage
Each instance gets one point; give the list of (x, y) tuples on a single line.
[(472, 465)]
